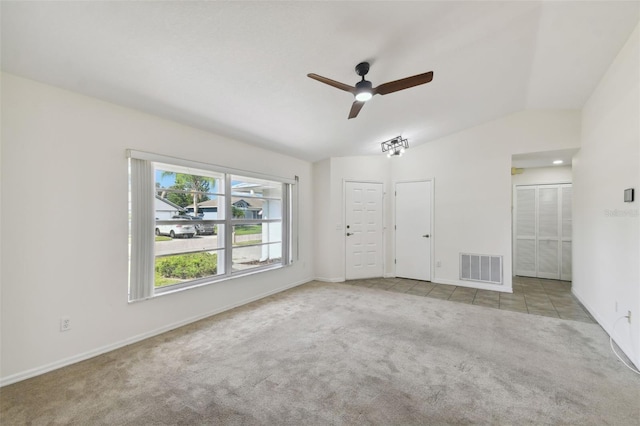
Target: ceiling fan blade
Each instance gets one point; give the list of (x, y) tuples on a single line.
[(355, 109), (333, 83), (404, 83)]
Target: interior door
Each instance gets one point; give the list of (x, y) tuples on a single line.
[(413, 230), (548, 233), (542, 231), (363, 230), (565, 252), (525, 231)]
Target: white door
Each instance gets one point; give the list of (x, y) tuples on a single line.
[(542, 231), (363, 230), (413, 230), (525, 231), (566, 224), (548, 233)]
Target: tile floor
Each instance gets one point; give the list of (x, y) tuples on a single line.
[(530, 295)]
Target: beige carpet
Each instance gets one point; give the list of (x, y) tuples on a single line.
[(339, 354)]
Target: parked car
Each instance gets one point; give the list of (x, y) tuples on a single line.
[(202, 228), (173, 230)]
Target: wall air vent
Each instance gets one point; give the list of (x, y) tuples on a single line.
[(480, 267)]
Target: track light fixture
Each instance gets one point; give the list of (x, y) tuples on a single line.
[(395, 147)]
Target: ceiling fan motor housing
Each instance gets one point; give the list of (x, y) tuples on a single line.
[(363, 85), (364, 90)]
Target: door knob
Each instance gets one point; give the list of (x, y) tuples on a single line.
[(426, 235), (349, 234)]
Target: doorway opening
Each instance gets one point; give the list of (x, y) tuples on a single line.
[(541, 218)]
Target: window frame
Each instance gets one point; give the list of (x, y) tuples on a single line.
[(141, 244)]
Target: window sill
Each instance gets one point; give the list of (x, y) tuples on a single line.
[(176, 288)]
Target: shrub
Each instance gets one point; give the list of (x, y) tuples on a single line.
[(186, 266)]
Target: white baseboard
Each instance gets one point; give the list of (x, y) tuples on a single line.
[(472, 284), (4, 381), (460, 283), (329, 280), (624, 346)]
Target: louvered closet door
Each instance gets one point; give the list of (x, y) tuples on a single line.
[(525, 231), (542, 231), (565, 249), (548, 232)]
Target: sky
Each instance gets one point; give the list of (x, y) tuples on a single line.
[(169, 180), (165, 181)]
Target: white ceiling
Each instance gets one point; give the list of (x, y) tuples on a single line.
[(239, 68), (543, 159)]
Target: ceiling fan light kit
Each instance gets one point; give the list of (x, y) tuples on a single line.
[(363, 96), (395, 147), (364, 90)]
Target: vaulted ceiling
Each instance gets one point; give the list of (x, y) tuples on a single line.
[(239, 68)]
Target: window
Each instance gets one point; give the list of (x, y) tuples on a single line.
[(194, 223)]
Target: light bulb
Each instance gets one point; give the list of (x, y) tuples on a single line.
[(363, 96)]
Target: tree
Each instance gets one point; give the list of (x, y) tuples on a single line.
[(162, 192), (195, 187), (236, 212), (180, 198)]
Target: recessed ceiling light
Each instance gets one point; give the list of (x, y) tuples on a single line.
[(558, 162)]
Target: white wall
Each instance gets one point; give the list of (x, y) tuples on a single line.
[(606, 231), (65, 226), (472, 189), (473, 186), (323, 222), (543, 175)]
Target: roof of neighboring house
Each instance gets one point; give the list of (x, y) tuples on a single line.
[(253, 203), (208, 203), (172, 205)]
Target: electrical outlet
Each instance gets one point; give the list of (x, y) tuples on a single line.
[(65, 324), (438, 263)]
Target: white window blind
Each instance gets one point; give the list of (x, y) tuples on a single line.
[(141, 262)]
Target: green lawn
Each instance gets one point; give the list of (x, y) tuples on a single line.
[(161, 281), (247, 243), (248, 229), (184, 267)]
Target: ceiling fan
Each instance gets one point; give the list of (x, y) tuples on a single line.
[(364, 90)]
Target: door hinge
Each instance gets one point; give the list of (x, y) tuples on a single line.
[(395, 261), (395, 227)]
